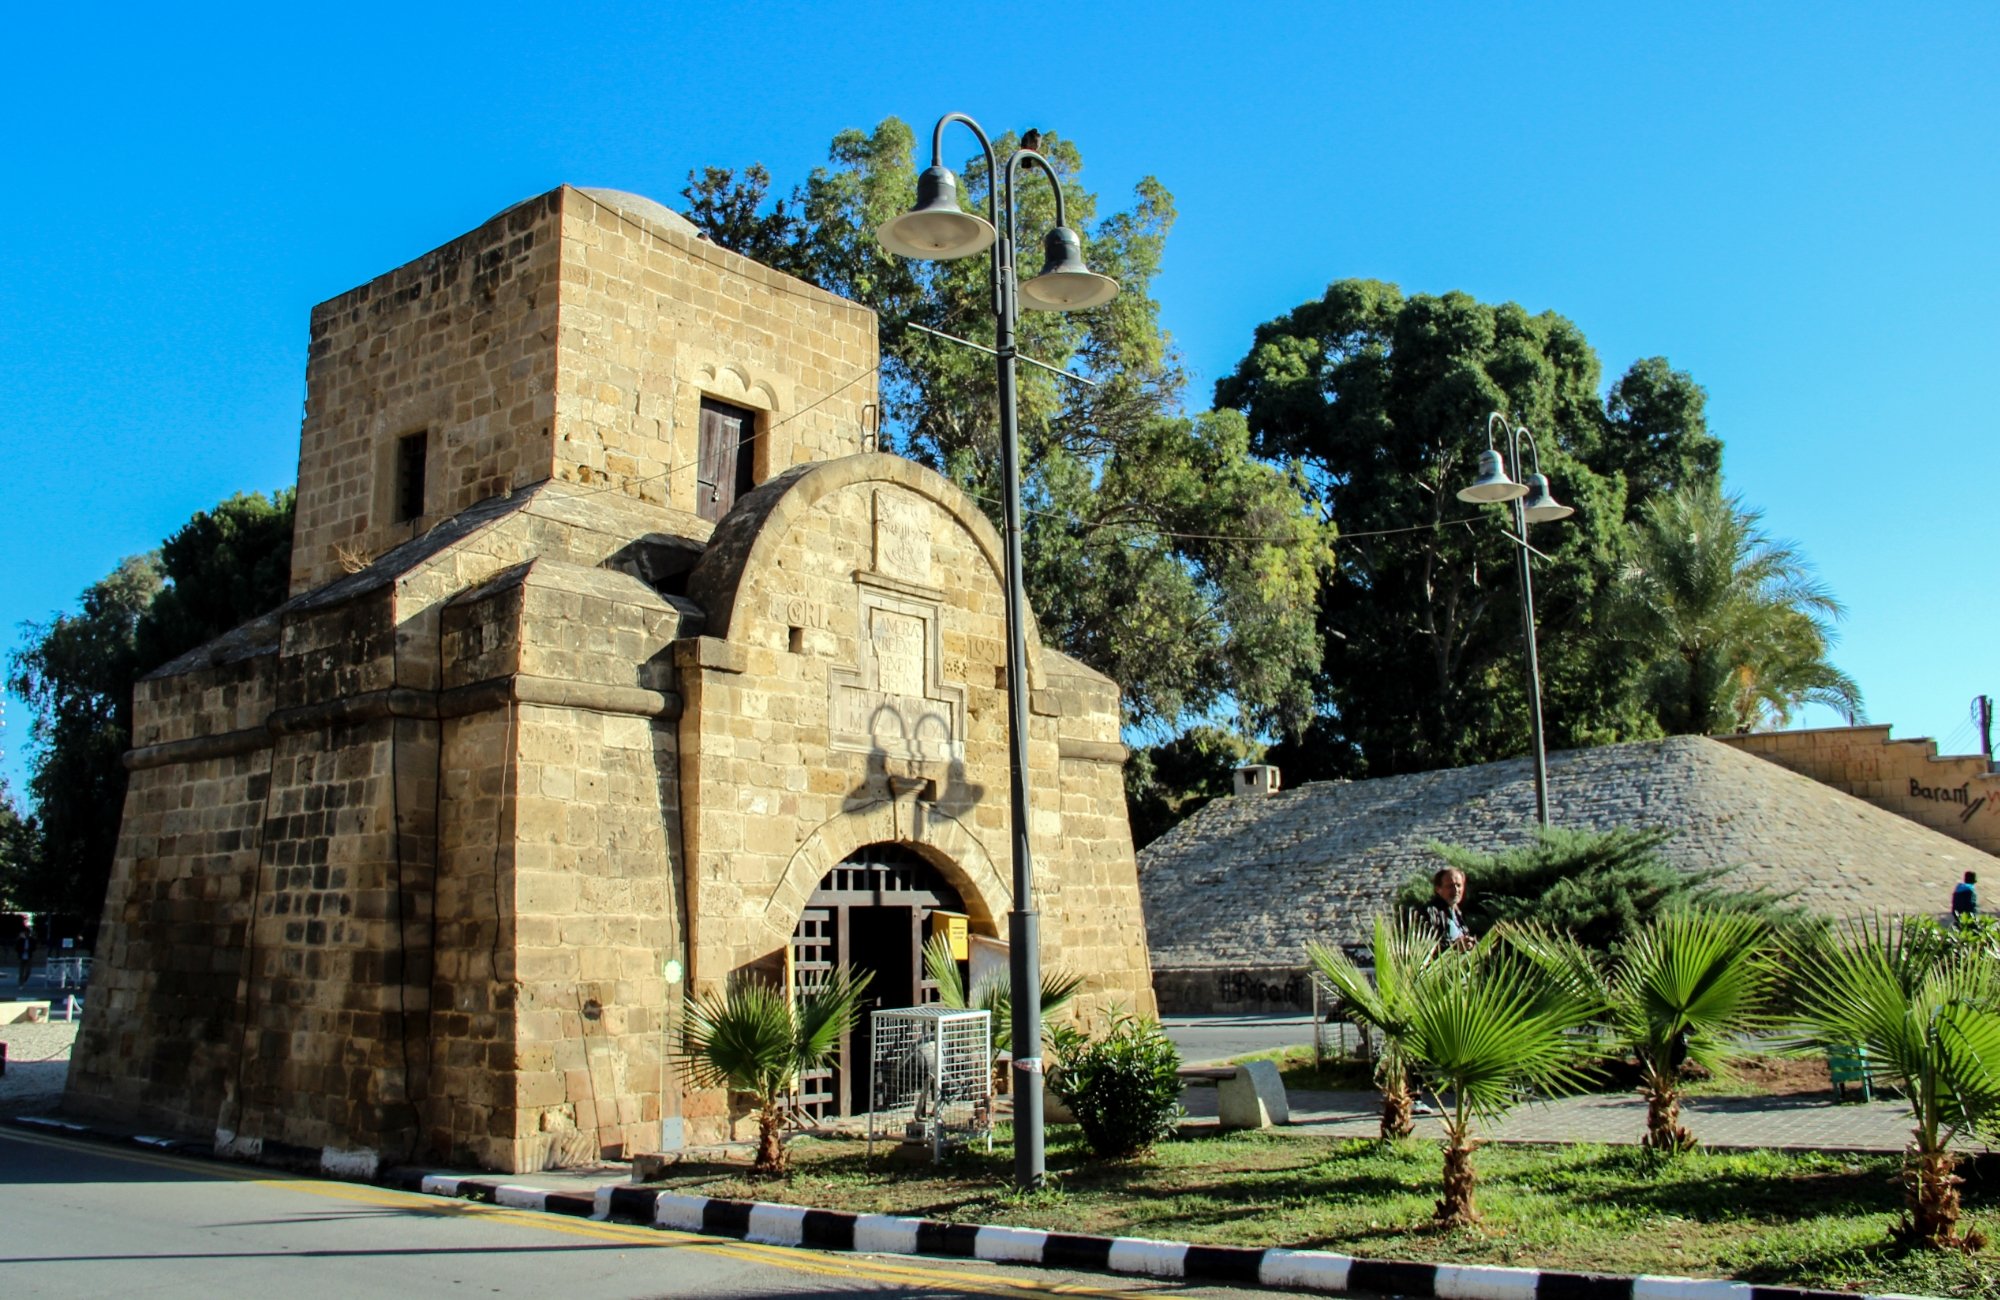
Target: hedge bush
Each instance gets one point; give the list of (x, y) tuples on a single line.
[(1123, 1087)]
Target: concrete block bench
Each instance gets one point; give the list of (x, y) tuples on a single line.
[(1251, 1095)]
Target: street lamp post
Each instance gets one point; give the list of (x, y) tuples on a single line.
[(938, 229), (1533, 504)]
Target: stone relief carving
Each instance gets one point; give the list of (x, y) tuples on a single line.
[(902, 536), (896, 701)]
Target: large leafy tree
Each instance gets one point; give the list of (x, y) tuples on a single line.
[(1168, 782), (1732, 624), (76, 672), (17, 853), (222, 568), (1383, 399), (1159, 549)]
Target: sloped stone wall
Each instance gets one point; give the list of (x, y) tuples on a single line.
[(1233, 894), (1953, 795)]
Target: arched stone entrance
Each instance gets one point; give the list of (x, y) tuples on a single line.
[(871, 913)]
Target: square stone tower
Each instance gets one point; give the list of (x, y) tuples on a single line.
[(615, 667), (577, 336)]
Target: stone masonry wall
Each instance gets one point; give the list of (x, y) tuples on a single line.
[(1953, 795), (1235, 893), (570, 338), (855, 696), (655, 319), (456, 345), (559, 901), (1094, 909), (159, 1045)]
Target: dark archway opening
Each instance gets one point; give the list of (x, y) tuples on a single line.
[(871, 913)]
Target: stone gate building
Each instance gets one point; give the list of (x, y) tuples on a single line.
[(611, 654)]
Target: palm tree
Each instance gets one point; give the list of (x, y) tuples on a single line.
[(752, 1038), (1684, 988), (1733, 622), (1401, 955), (993, 994), (1928, 1016), (1488, 1029)]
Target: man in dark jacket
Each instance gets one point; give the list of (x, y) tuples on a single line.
[(1447, 893)]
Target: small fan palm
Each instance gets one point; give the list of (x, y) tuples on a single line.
[(994, 994), (1401, 954), (1685, 987), (752, 1038), (1487, 1028), (1929, 1018)]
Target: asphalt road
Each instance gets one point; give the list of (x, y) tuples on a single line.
[(1216, 1038), (84, 1220)]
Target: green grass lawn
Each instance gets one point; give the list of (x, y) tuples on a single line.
[(1754, 1076), (1769, 1217)]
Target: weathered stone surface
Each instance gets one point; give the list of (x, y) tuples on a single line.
[(1233, 895), (404, 863)]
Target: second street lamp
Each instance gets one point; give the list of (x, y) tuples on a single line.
[(938, 229), (1533, 504)]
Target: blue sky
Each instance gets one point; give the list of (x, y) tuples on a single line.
[(1795, 204)]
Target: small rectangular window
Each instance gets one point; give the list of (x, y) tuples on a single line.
[(725, 463), (411, 451)]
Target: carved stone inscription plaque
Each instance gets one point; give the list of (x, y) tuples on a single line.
[(902, 536), (893, 702)]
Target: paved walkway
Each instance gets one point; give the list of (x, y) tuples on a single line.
[(1808, 1123)]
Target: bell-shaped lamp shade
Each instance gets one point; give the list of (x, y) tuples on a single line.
[(1492, 483), (1541, 507), (937, 229), (1065, 283)]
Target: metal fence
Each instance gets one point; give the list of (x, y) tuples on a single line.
[(930, 1077)]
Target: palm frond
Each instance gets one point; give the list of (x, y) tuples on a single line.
[(1697, 977), (740, 1038), (1490, 1025), (825, 1013)]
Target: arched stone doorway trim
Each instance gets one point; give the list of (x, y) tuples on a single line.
[(941, 839), (757, 526)]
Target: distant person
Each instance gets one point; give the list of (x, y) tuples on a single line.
[(26, 948), (1965, 899), (1447, 893)]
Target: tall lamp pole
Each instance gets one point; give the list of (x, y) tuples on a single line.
[(938, 229), (1533, 504)]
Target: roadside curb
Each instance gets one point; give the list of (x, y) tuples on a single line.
[(771, 1224)]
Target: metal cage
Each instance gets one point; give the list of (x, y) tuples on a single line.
[(930, 1077)]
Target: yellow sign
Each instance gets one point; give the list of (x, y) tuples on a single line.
[(952, 926)]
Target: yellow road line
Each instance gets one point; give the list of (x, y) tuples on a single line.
[(801, 1260)]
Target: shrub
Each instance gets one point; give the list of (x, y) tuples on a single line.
[(1601, 886), (1124, 1088)]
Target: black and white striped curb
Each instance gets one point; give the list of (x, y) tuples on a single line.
[(765, 1223), (179, 1146), (770, 1224)]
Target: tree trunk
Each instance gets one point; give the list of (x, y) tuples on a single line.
[(1456, 1209), (1930, 1188), (1396, 1099), (770, 1151), (1664, 1132)]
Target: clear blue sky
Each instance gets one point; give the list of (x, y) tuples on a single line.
[(1796, 204)]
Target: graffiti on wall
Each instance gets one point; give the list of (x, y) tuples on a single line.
[(1262, 987), (1960, 795)]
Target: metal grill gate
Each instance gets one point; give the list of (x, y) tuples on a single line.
[(871, 913)]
